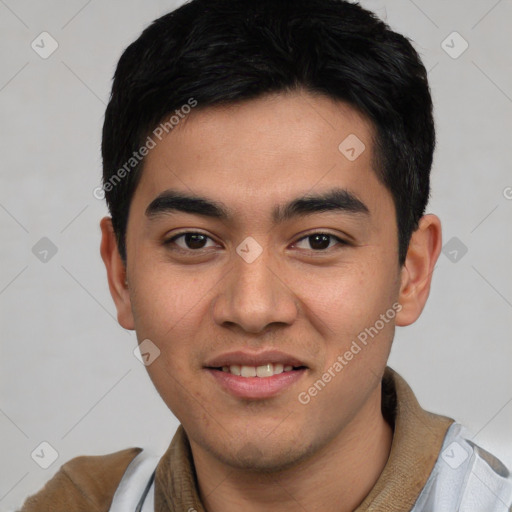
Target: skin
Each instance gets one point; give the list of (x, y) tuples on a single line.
[(275, 453)]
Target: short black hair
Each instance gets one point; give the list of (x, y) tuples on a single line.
[(216, 52)]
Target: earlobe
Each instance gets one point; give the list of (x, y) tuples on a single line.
[(116, 274), (416, 273)]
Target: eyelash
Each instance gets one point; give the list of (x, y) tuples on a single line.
[(198, 251)]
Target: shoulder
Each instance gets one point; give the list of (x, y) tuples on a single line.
[(466, 477), (84, 483)]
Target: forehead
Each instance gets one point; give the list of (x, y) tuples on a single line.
[(254, 153)]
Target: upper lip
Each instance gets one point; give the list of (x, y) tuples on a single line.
[(244, 358)]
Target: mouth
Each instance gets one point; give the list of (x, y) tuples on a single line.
[(262, 371), (256, 376)]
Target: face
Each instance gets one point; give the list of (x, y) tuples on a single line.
[(254, 276)]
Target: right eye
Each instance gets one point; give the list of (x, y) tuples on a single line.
[(190, 241)]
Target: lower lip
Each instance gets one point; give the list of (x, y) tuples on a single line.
[(256, 387)]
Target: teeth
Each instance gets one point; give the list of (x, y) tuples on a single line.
[(278, 368), (266, 370), (235, 369), (248, 371)]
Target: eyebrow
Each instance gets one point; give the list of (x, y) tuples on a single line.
[(334, 200)]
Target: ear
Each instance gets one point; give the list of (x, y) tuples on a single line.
[(116, 274), (416, 273)]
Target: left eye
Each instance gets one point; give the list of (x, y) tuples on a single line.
[(320, 241)]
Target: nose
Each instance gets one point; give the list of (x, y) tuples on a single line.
[(254, 296)]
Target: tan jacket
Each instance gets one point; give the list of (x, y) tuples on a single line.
[(88, 483)]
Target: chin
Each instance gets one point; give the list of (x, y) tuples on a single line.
[(262, 457)]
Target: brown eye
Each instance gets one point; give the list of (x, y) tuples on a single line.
[(189, 241), (321, 241)]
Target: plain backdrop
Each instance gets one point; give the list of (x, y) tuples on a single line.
[(68, 373)]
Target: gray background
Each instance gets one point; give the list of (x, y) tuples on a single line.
[(68, 373)]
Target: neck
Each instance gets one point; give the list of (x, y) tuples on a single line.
[(338, 477)]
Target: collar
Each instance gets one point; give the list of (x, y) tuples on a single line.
[(417, 439)]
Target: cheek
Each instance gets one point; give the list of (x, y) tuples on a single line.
[(342, 300), (168, 301), (168, 310), (346, 308)]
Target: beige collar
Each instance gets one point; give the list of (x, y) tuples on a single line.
[(417, 440)]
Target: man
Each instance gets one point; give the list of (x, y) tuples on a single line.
[(266, 167)]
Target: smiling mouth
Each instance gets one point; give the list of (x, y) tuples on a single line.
[(262, 371)]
